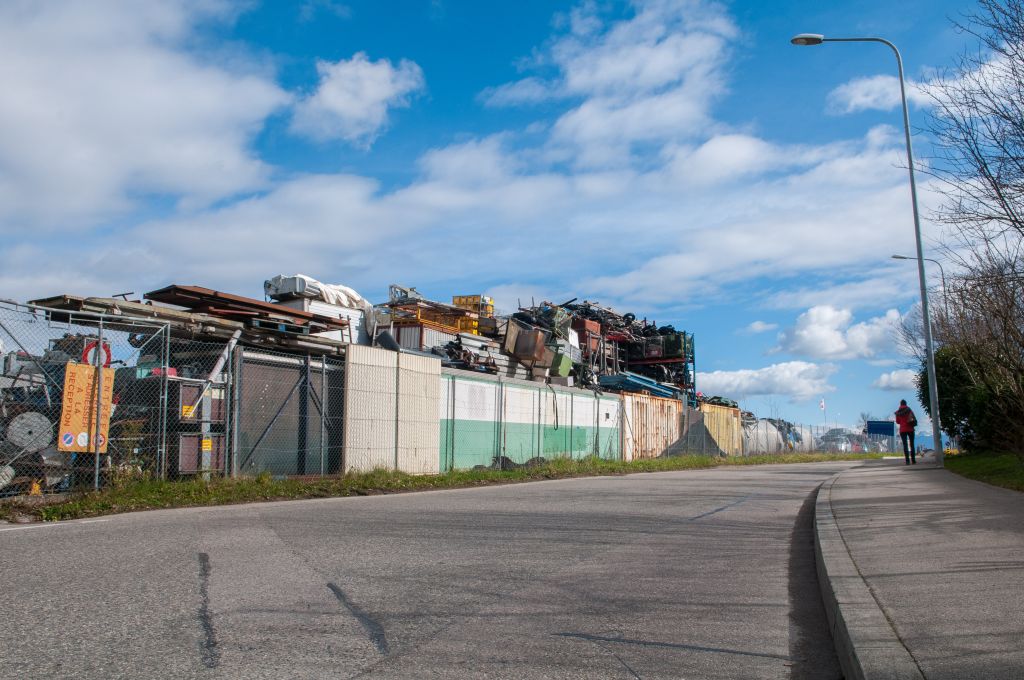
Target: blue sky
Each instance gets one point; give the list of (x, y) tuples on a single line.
[(679, 159)]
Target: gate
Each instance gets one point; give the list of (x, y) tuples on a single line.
[(288, 414)]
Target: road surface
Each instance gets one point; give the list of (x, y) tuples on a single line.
[(698, 574)]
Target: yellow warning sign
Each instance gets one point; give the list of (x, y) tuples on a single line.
[(78, 410), (207, 445), (187, 410)]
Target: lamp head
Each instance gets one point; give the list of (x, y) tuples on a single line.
[(808, 39)]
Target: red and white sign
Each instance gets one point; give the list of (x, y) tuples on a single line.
[(89, 354)]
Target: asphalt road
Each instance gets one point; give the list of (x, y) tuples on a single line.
[(704, 574)]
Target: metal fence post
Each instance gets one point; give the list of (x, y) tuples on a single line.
[(236, 406), (572, 425), (451, 420), (97, 430), (500, 446), (164, 404), (324, 401), (622, 427), (229, 416)]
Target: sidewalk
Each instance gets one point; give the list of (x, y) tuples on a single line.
[(922, 573)]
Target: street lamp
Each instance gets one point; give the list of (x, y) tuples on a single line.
[(942, 273), (933, 390)]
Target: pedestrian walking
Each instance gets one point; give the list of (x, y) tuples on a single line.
[(907, 421)]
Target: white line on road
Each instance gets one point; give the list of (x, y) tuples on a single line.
[(44, 525)]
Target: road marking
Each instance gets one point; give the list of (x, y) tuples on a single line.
[(30, 526), (46, 525)]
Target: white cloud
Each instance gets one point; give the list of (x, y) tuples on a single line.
[(833, 213), (106, 104), (881, 92), (761, 327), (729, 157), (799, 380), (352, 99), (827, 332), (525, 91), (900, 380), (892, 284), (471, 163), (651, 76)]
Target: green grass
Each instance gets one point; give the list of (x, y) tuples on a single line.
[(999, 469), (154, 494)]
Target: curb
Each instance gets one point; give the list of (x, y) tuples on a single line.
[(866, 644)]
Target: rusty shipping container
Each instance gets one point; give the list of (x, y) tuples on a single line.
[(652, 425)]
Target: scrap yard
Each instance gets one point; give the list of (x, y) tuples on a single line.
[(316, 379)]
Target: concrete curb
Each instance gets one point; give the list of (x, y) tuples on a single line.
[(867, 646)]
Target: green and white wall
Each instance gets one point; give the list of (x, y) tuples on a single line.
[(404, 412), (483, 418)]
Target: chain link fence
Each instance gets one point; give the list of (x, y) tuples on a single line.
[(88, 400), (771, 436), (721, 431), (81, 399)]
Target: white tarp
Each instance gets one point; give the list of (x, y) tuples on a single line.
[(300, 285), (305, 292)]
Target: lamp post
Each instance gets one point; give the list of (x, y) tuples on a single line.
[(942, 273), (933, 390)]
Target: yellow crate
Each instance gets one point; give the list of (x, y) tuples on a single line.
[(481, 304), (469, 326)]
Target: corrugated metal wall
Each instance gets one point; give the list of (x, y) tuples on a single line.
[(651, 425), (422, 337), (725, 428)]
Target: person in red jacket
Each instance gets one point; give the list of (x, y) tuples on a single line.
[(907, 421)]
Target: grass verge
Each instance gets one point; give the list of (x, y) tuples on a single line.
[(155, 494), (998, 469)]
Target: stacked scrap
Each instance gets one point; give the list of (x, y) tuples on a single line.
[(612, 344), (194, 312), (573, 343)]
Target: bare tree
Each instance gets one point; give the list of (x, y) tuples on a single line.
[(978, 126), (977, 123)]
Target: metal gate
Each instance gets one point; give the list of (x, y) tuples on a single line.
[(287, 414)]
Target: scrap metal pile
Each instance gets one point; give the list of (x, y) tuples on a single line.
[(194, 312), (579, 343)]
